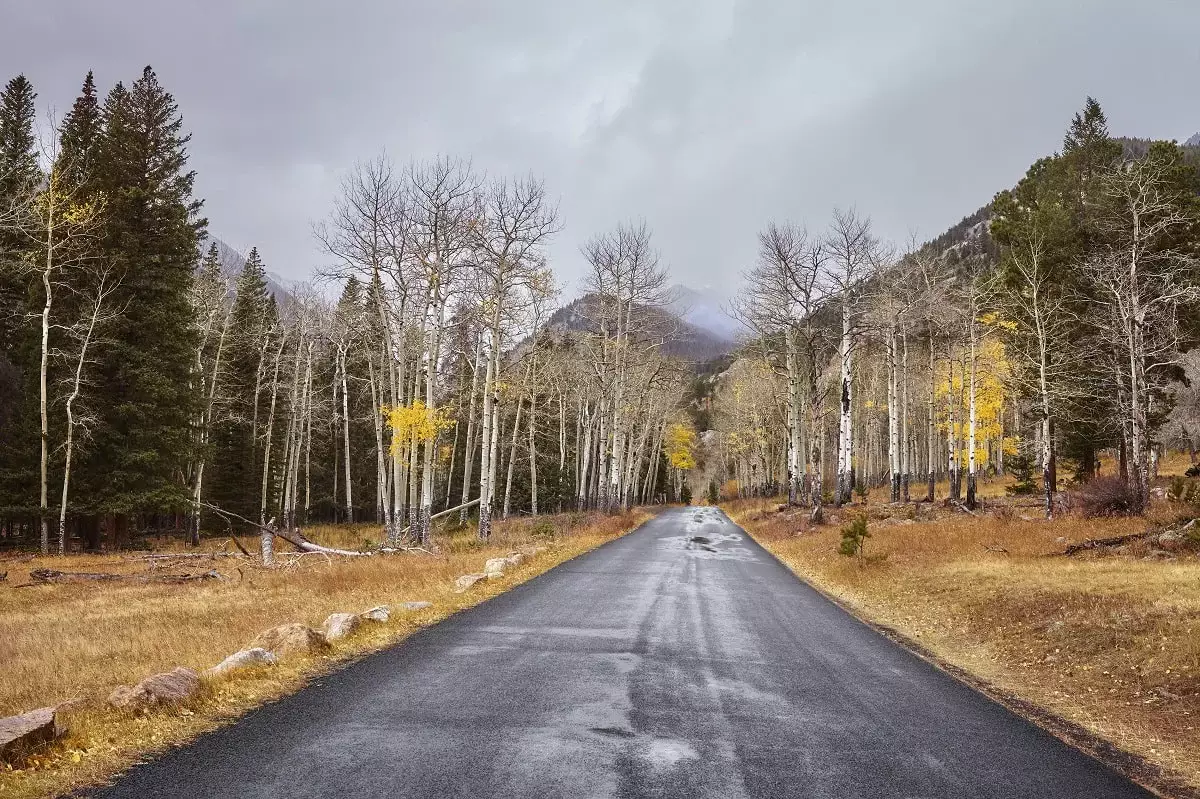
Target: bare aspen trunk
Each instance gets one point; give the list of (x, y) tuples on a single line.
[(469, 451), (845, 431), (893, 417), (487, 446), (931, 459), (512, 458), (906, 450), (266, 470), (341, 356), (44, 509), (973, 417), (533, 470)]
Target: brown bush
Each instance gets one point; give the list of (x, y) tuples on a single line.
[(1107, 496)]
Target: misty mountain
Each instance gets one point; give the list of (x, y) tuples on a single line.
[(1194, 141), (680, 338), (704, 309)]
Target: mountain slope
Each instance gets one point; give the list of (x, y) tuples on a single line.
[(680, 339)]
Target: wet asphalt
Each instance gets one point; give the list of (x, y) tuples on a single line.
[(679, 661)]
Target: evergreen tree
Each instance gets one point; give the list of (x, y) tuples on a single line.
[(19, 178), (79, 137), (253, 325), (142, 443)]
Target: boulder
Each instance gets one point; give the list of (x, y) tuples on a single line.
[(20, 734), (241, 660), (467, 581), (410, 606), (168, 688), (495, 567), (289, 638), (379, 614), (339, 625), (515, 559)]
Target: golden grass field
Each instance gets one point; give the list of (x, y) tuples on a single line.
[(1108, 642), (79, 641)]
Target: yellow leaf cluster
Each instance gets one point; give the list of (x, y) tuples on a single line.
[(415, 422), (681, 446)]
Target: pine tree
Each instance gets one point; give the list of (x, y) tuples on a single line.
[(253, 324), (143, 441), (79, 136), (19, 177)]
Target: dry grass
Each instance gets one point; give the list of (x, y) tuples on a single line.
[(60, 642), (1111, 643)]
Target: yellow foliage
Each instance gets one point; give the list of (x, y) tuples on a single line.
[(415, 422), (991, 374), (681, 446)]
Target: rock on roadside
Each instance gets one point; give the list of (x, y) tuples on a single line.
[(288, 638), (495, 567), (340, 625), (241, 660), (167, 688), (20, 734), (380, 614), (515, 559), (467, 581)]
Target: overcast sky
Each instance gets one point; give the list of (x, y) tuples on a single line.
[(707, 118)]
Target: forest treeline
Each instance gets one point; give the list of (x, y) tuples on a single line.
[(143, 388), (1048, 327)]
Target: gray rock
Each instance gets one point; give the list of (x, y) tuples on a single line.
[(467, 581), (339, 625), (289, 638), (410, 606), (21, 734), (380, 614), (495, 567), (168, 688), (515, 559), (242, 660)]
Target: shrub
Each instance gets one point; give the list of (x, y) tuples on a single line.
[(1021, 465), (1184, 490), (854, 536), (863, 490), (544, 529), (1108, 496), (714, 495)]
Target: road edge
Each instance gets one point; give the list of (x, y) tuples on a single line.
[(1149, 775)]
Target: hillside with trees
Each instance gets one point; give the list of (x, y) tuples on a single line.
[(1049, 327)]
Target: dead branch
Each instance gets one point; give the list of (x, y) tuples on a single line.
[(293, 537), (995, 548), (965, 509)]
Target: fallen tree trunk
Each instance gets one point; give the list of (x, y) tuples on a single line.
[(293, 537), (1118, 540), (51, 576)]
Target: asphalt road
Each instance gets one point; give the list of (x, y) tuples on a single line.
[(679, 661)]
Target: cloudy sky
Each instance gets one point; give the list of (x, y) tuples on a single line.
[(705, 117)]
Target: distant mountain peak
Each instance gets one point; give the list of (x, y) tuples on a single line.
[(704, 308), (233, 261), (1194, 141)]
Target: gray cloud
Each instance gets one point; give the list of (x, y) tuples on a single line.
[(707, 118)]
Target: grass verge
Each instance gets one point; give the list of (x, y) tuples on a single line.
[(1102, 650), (79, 641)]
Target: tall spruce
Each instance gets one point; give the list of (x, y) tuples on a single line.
[(153, 225), (253, 325), (20, 175)]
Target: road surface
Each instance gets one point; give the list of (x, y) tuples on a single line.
[(679, 661)]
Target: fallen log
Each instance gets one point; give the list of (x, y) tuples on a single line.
[(293, 537), (1098, 543), (52, 576)]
